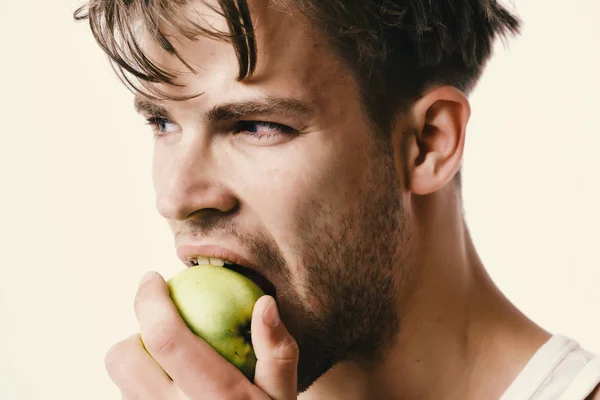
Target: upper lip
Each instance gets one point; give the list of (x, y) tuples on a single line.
[(186, 252)]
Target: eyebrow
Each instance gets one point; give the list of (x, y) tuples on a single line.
[(148, 107), (236, 110)]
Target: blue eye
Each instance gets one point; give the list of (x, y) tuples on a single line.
[(160, 125), (262, 129)]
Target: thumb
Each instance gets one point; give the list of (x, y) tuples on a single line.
[(276, 352)]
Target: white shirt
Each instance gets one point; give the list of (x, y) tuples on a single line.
[(559, 370)]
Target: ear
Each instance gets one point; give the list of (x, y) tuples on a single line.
[(436, 133)]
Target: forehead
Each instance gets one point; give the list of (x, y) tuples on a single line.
[(293, 56)]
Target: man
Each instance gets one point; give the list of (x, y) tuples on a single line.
[(319, 143)]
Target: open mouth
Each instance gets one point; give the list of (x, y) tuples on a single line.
[(254, 276)]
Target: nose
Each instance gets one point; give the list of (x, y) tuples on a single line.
[(189, 184)]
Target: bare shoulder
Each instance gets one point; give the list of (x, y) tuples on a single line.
[(595, 395)]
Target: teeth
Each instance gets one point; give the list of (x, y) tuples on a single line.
[(217, 261), (202, 260)]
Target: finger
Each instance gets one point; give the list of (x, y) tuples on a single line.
[(195, 367), (276, 351), (135, 373)]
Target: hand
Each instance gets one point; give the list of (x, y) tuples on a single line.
[(167, 361)]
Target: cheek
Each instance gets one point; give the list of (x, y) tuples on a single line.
[(155, 168), (281, 188), (158, 167), (282, 201), (300, 188), (288, 191)]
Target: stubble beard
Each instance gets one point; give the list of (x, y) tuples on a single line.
[(353, 268), (354, 263)]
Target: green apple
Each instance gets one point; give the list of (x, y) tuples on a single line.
[(216, 303)]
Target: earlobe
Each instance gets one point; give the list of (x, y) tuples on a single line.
[(434, 150)]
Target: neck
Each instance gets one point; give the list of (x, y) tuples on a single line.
[(460, 338)]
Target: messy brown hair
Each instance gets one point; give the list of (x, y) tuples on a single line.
[(395, 48)]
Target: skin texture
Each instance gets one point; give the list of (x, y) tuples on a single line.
[(323, 233), (363, 236)]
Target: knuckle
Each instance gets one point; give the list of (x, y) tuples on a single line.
[(161, 339), (239, 396), (288, 350), (237, 392), (231, 388)]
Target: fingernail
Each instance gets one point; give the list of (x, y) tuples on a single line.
[(271, 315)]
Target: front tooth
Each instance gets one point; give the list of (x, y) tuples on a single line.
[(217, 261), (202, 260), (227, 262)]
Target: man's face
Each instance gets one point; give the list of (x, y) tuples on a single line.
[(296, 183)]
